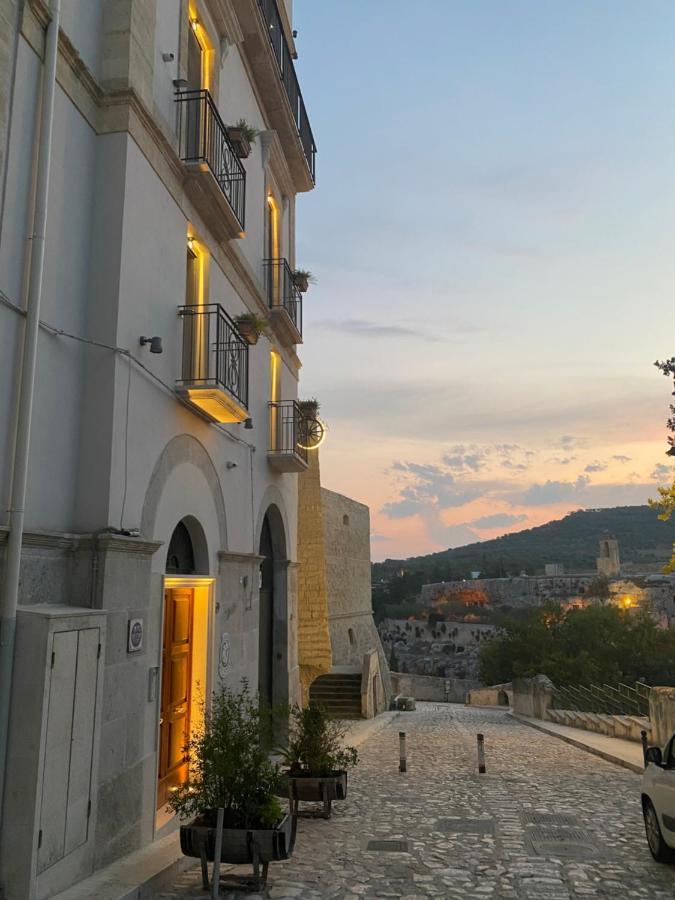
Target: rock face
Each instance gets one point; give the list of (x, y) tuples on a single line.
[(446, 649)]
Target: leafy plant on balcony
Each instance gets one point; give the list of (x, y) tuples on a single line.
[(309, 408), (250, 326), (243, 136), (303, 278)]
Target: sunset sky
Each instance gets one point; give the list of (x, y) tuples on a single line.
[(493, 233)]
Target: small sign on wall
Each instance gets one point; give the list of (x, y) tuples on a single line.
[(134, 635)]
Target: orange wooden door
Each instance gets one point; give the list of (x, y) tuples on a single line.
[(174, 728)]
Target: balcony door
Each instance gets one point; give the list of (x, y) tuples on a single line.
[(196, 324), (195, 113)]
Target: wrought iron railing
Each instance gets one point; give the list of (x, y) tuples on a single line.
[(203, 138), (284, 59), (282, 290), (288, 428), (213, 351), (620, 699)]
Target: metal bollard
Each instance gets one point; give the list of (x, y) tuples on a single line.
[(481, 753), (215, 881), (403, 763)]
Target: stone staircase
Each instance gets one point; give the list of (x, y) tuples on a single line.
[(338, 693), (620, 726)]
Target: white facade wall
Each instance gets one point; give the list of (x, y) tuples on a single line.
[(113, 447)]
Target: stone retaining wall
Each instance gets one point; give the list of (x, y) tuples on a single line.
[(429, 687)]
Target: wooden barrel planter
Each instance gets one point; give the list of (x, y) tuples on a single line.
[(315, 789), (257, 846)]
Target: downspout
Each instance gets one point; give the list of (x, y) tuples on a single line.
[(10, 593)]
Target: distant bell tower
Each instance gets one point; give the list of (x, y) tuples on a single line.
[(608, 562)]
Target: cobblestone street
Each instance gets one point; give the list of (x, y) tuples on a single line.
[(547, 822)]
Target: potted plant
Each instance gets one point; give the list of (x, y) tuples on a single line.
[(250, 326), (230, 769), (316, 758), (303, 278), (309, 408), (242, 136)]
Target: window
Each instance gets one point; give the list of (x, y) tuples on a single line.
[(352, 637), (345, 519)]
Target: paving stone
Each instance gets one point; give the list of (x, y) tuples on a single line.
[(533, 781)]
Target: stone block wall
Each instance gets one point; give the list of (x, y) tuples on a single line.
[(428, 687), (314, 647)]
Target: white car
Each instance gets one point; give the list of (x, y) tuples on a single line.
[(658, 801)]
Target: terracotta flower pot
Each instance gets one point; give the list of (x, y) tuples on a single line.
[(248, 331), (241, 146), (301, 283)]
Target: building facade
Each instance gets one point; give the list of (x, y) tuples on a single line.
[(159, 546)]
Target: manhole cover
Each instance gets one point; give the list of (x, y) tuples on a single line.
[(466, 826), (567, 820), (388, 846), (570, 843)]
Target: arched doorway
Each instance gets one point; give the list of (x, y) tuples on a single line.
[(184, 642), (273, 619)]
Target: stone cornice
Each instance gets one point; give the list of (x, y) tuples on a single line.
[(63, 540), (232, 556)]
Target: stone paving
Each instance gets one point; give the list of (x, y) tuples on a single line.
[(547, 822)]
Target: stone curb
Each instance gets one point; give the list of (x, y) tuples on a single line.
[(609, 757)]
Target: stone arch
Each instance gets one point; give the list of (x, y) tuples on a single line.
[(273, 655), (193, 497)]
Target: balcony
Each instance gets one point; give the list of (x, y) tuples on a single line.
[(215, 363), (271, 62), (216, 179), (288, 450), (284, 299)]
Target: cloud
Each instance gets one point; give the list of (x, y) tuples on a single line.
[(497, 520), (596, 466), (662, 472), (461, 458), (428, 487), (553, 492), (622, 459), (570, 442), (368, 329), (561, 460)]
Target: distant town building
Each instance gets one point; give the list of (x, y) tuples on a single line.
[(609, 563), (554, 569)]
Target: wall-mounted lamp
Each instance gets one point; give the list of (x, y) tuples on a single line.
[(168, 57), (230, 465), (248, 424), (180, 83), (194, 23), (155, 343)]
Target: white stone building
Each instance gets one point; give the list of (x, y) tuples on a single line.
[(160, 527)]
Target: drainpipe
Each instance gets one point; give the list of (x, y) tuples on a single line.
[(9, 597)]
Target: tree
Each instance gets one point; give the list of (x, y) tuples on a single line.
[(666, 503), (599, 644), (598, 587)]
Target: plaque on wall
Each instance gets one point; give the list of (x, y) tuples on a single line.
[(134, 635)]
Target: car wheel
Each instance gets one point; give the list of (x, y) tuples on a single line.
[(659, 849)]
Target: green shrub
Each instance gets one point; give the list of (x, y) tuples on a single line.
[(315, 744)]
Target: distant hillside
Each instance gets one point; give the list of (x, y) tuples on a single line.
[(572, 541)]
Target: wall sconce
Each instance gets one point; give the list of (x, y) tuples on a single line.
[(179, 83), (168, 57), (155, 343), (248, 424)]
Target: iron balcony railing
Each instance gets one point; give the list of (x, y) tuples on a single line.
[(203, 138), (214, 353), (284, 59), (283, 291), (288, 429)]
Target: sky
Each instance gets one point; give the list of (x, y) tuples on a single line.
[(493, 237)]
